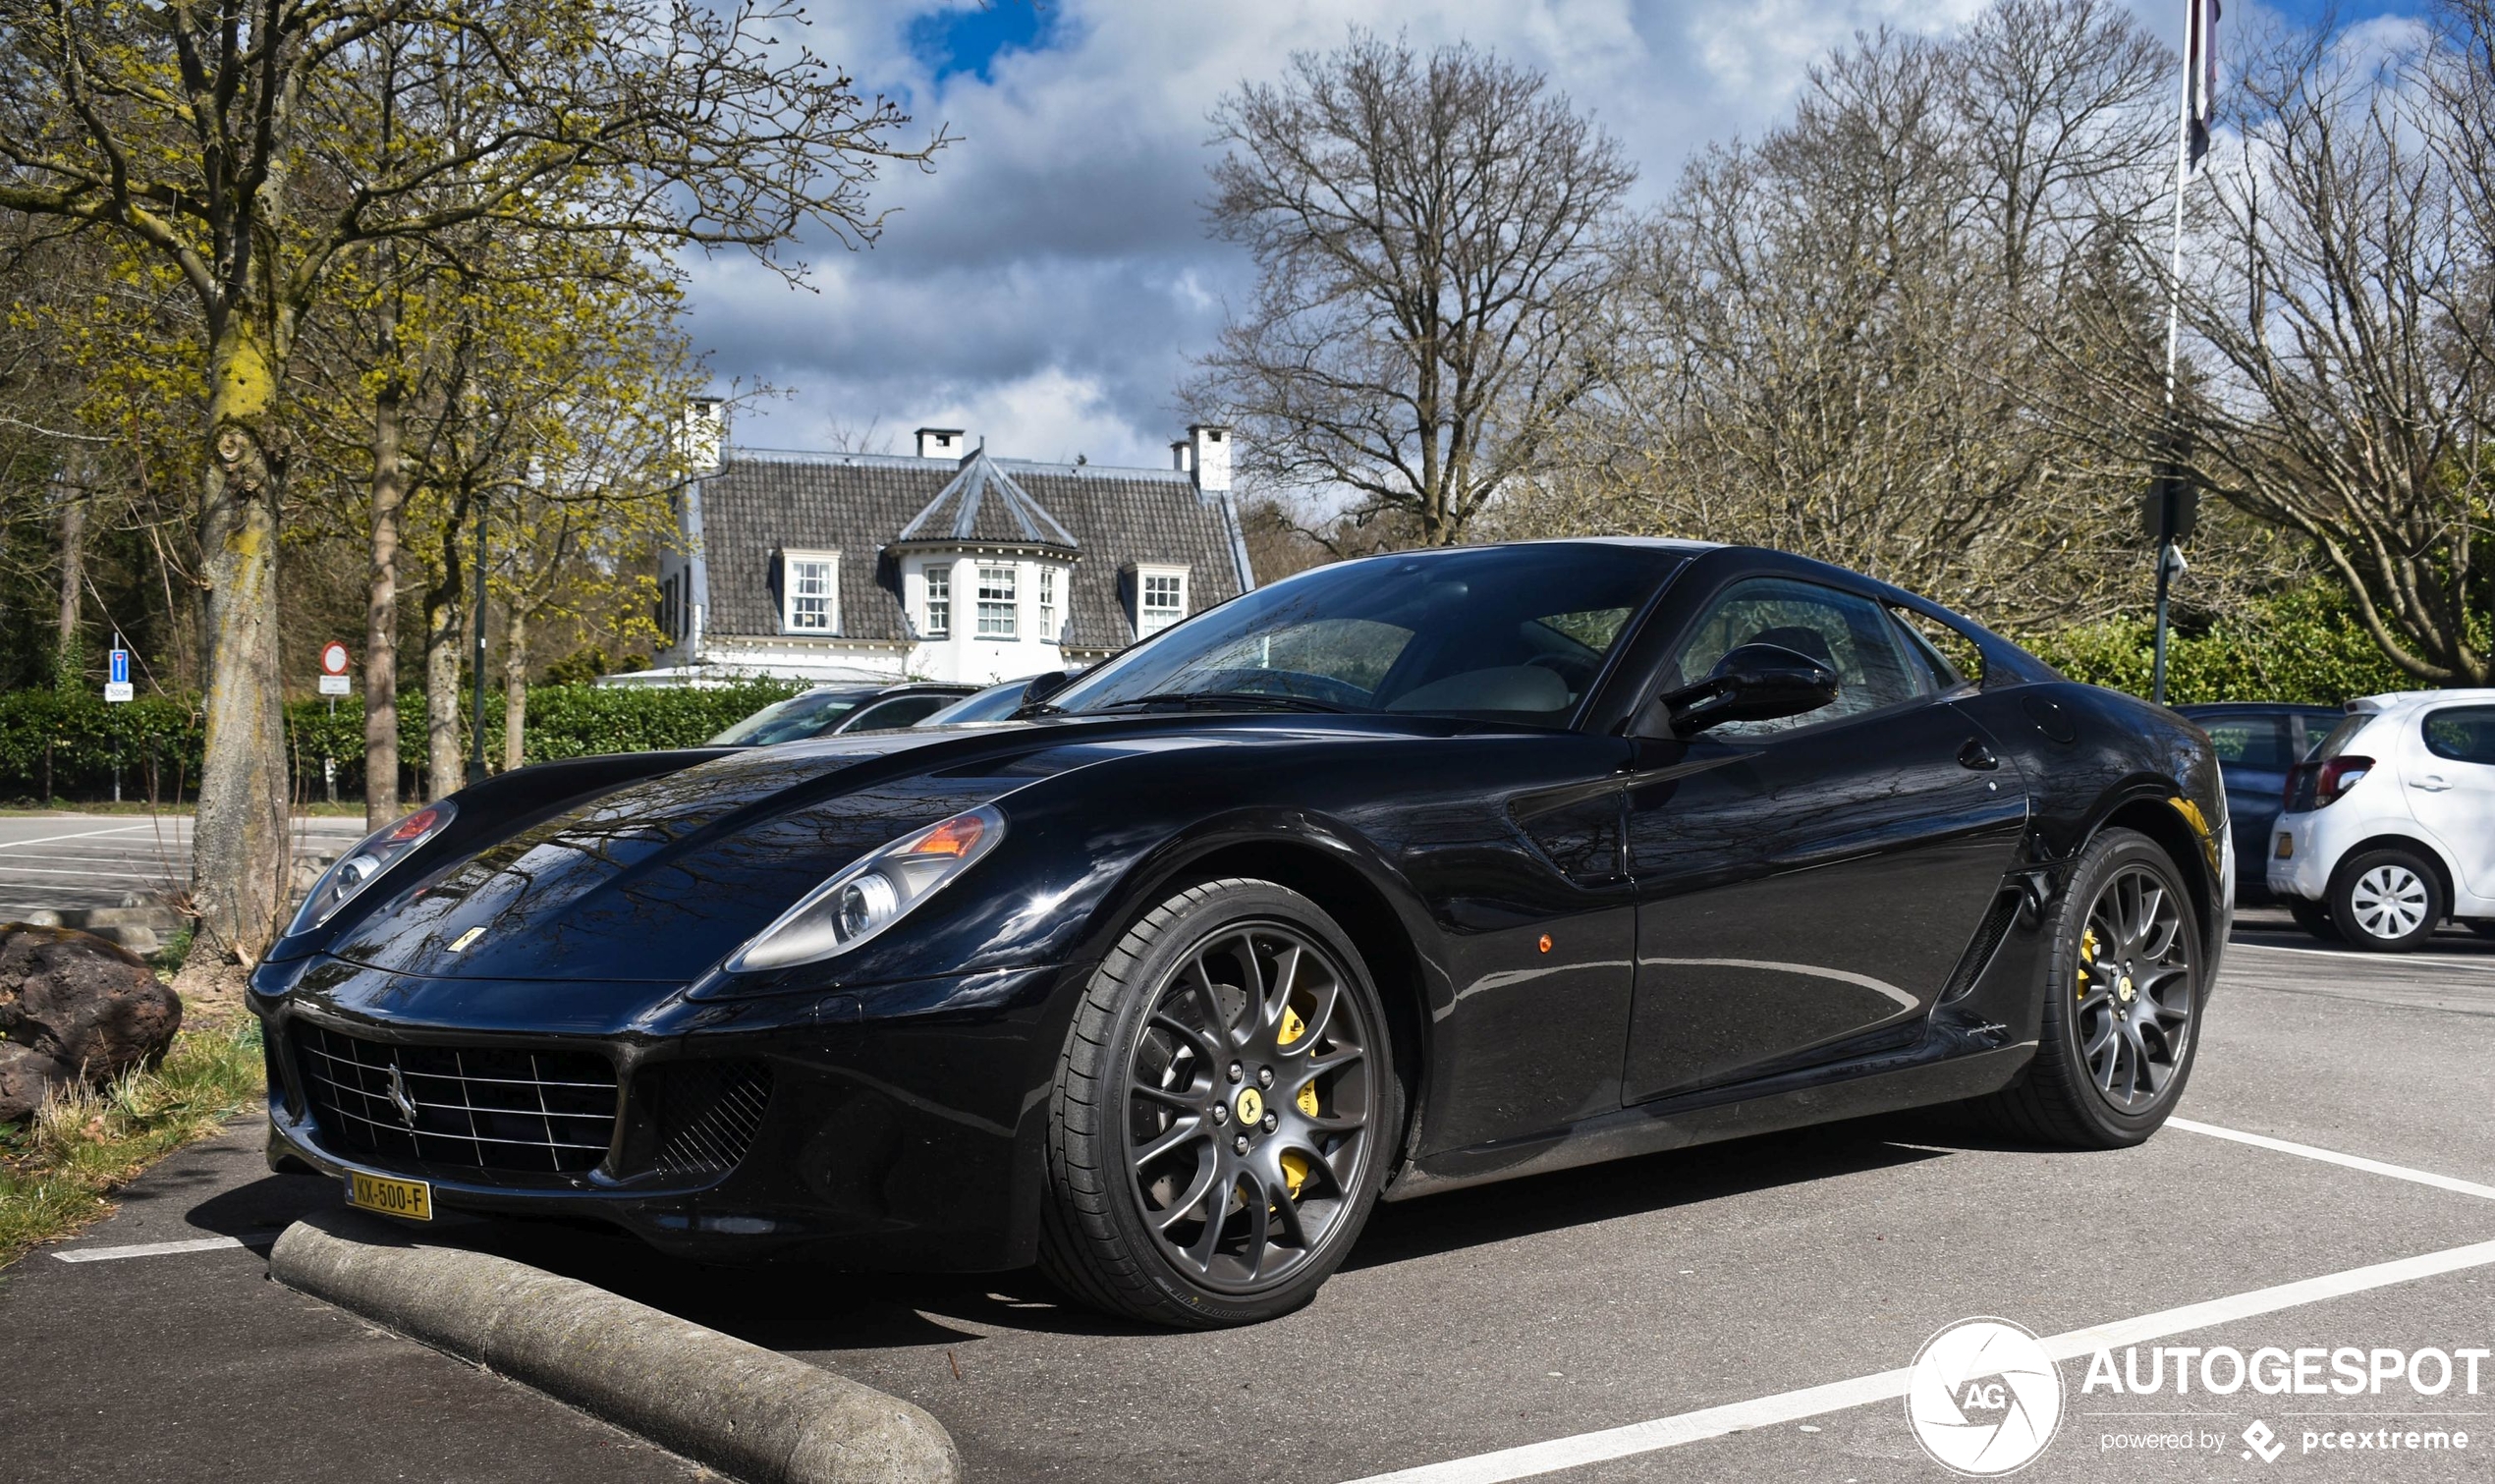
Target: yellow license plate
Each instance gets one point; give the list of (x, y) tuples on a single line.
[(410, 1199)]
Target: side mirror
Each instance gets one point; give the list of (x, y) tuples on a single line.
[(1042, 686), (1755, 683)]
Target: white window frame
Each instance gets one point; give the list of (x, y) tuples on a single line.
[(1047, 583), (1003, 611), (789, 561), (936, 579), (1145, 612)]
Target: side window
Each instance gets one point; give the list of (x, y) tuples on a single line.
[(2462, 734), (1959, 659), (1850, 634)]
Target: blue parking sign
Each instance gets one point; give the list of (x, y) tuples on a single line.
[(121, 666)]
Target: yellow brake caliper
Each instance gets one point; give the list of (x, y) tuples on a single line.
[(2087, 958), (1294, 1164)]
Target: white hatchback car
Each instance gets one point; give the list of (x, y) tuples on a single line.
[(2390, 824)]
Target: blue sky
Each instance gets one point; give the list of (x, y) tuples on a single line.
[(1047, 286)]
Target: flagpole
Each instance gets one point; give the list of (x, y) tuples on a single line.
[(2164, 484)]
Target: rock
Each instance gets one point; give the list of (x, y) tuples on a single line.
[(43, 917), (72, 1005), (26, 1075)]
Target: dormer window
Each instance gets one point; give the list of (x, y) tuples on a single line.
[(809, 591), (1160, 599)]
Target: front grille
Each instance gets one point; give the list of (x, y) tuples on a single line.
[(481, 1108), (703, 1116)]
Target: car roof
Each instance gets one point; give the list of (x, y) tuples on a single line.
[(2403, 700), (2237, 708)]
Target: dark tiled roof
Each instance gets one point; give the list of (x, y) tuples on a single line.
[(763, 501), (984, 504)]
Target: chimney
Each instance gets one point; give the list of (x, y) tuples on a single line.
[(939, 443), (701, 436), (1178, 455), (1208, 455)]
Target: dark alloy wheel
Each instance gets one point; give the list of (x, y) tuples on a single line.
[(2122, 1002), (1223, 1114), (2135, 988)]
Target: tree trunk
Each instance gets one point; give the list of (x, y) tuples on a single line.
[(515, 686), (238, 850), (443, 631), (381, 613), (68, 653)]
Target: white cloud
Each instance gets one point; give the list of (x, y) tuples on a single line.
[(1048, 282)]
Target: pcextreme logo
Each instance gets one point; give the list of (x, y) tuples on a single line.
[(1983, 1398)]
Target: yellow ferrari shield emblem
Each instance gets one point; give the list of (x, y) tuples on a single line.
[(1252, 1105)]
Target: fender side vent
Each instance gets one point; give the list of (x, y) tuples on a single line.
[(702, 1114), (1988, 936)]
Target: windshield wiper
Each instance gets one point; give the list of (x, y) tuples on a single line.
[(1215, 700)]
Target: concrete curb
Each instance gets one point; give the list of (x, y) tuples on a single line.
[(716, 1400)]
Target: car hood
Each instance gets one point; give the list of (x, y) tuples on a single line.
[(662, 878)]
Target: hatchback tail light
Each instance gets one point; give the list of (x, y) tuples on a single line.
[(2338, 776)]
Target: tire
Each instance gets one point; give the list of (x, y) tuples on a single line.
[(1153, 1211), (2484, 927), (2090, 1084), (2313, 917), (2389, 900)]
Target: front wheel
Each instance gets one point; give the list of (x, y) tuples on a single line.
[(2122, 1003), (2387, 899), (1225, 1110)]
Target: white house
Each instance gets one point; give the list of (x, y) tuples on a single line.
[(953, 564)]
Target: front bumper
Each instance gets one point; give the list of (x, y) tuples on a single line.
[(905, 1138)]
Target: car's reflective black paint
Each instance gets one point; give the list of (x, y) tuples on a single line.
[(1590, 944)]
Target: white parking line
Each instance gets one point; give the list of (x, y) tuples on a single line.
[(2334, 1156), (2387, 961), (122, 829), (160, 1249), (1887, 1386)]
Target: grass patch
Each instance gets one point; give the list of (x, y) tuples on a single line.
[(57, 1171)]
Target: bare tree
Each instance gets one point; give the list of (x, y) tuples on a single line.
[(2336, 308), (192, 132), (1428, 230)]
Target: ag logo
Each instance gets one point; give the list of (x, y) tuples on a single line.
[(1983, 1398)]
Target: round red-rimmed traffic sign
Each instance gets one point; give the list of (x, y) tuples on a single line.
[(333, 658)]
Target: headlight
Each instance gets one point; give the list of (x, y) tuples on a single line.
[(360, 866), (871, 895)]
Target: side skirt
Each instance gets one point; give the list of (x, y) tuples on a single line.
[(1947, 1065)]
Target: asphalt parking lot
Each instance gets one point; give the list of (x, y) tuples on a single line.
[(74, 861), (1671, 1317)]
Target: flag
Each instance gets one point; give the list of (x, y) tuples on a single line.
[(2200, 75)]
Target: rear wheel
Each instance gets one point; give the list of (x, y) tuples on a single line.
[(2313, 918), (2388, 900), (2122, 1003), (1224, 1112)]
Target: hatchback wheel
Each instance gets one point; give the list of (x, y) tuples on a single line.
[(2313, 917), (2388, 900), (1225, 1111)]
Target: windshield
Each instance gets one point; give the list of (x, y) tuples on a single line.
[(1510, 633), (812, 714), (2341, 736)]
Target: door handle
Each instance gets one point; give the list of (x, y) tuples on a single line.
[(1978, 756), (2432, 782)]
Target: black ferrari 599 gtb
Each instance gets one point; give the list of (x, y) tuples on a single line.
[(1399, 875)]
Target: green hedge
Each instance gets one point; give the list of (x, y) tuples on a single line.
[(72, 734), (2301, 646)]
